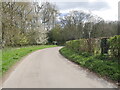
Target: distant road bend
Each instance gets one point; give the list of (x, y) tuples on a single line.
[(46, 68)]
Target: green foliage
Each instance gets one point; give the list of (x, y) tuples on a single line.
[(102, 57), (110, 47), (21, 23), (55, 35), (20, 39), (11, 55), (115, 46), (73, 26), (85, 54), (105, 68), (23, 40), (115, 41), (74, 45), (84, 45)]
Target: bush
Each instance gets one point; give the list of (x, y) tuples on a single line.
[(85, 54), (110, 47), (84, 45), (102, 57), (115, 46)]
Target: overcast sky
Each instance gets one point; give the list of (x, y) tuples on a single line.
[(107, 9)]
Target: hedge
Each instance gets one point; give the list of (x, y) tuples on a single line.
[(115, 46), (110, 46), (84, 45)]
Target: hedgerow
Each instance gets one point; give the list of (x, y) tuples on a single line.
[(105, 68)]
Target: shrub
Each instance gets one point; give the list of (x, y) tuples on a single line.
[(102, 57), (84, 45), (85, 54), (115, 46), (97, 46)]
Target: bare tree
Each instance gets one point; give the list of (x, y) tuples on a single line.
[(49, 13)]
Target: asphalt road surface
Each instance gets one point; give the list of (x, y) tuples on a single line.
[(46, 68)]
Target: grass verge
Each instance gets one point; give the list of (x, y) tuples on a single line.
[(105, 68), (11, 55)]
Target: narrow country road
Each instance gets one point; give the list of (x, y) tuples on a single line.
[(46, 68)]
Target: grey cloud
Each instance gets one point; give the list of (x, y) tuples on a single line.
[(86, 5)]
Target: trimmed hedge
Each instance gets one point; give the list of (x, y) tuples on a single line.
[(115, 46), (105, 68), (84, 45), (110, 46)]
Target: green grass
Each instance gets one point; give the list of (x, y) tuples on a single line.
[(105, 68), (11, 55)]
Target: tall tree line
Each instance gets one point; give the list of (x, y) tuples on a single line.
[(78, 24), (22, 22), (31, 23)]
